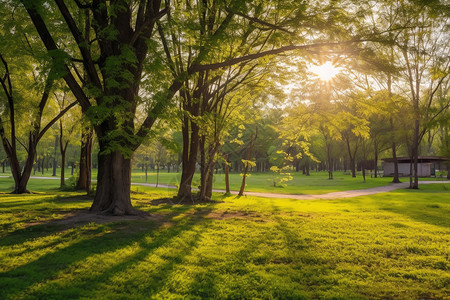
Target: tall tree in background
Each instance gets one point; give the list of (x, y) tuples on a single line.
[(27, 77), (35, 131), (67, 129), (425, 52)]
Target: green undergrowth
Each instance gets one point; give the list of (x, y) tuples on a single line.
[(384, 246)]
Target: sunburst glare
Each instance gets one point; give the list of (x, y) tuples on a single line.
[(326, 71)]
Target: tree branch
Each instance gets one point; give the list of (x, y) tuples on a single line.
[(166, 49), (256, 20), (53, 121), (156, 111), (50, 44), (147, 23), (198, 67), (23, 145), (81, 42)]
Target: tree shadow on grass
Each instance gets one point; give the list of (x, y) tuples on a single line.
[(166, 248), (22, 204), (427, 208), (86, 242), (253, 266)]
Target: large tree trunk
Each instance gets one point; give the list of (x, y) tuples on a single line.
[(208, 160), (189, 159), (84, 179), (21, 184), (21, 177), (113, 185)]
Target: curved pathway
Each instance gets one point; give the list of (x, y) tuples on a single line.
[(337, 195), (333, 195)]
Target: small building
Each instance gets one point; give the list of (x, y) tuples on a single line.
[(427, 165)]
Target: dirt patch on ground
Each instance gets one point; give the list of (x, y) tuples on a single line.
[(83, 217)]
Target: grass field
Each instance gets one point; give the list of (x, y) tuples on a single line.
[(385, 246), (317, 183)]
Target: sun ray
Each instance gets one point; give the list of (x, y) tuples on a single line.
[(326, 71)]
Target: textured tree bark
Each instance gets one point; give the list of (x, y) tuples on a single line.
[(84, 179), (114, 182), (189, 161), (208, 163), (21, 185)]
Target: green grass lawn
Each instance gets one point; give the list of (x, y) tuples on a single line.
[(317, 183), (385, 246)]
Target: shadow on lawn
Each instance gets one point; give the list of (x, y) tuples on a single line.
[(425, 208), (95, 241)]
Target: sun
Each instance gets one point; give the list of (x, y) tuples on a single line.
[(325, 72)]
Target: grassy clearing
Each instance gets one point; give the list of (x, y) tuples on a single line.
[(317, 183), (392, 246)]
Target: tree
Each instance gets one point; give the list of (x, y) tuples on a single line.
[(248, 161), (424, 50), (34, 131), (67, 130), (113, 81), (114, 62), (352, 127)]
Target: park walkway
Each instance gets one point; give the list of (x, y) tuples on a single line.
[(332, 195)]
